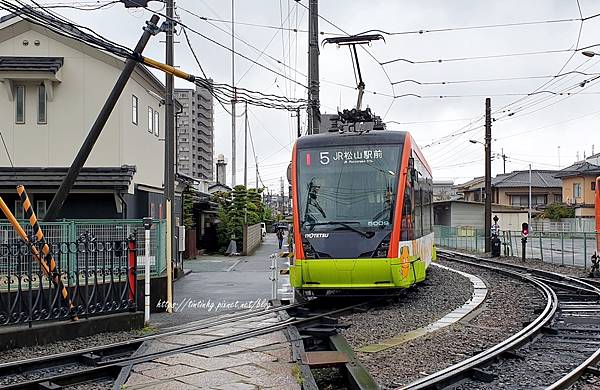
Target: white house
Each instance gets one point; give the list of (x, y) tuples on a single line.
[(51, 90)]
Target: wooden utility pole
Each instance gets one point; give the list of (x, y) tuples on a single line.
[(488, 174), (86, 148), (503, 161), (314, 116)]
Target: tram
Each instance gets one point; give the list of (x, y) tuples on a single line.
[(362, 212)]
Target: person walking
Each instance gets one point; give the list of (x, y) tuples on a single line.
[(280, 237)]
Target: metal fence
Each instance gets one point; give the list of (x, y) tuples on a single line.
[(563, 248), (99, 277), (98, 230)]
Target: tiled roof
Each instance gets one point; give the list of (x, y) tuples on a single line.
[(579, 168), (31, 64), (114, 178), (539, 179)]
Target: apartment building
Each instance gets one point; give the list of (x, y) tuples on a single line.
[(195, 145)]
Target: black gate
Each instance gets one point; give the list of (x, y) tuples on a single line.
[(99, 277)]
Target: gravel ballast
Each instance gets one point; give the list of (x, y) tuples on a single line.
[(509, 304), (67, 345), (442, 292)]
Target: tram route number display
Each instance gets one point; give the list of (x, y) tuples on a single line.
[(348, 156)]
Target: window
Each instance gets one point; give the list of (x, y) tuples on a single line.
[(523, 200), (20, 104), (40, 207), (576, 190), (593, 186), (134, 109), (150, 120), (42, 104), (19, 211), (156, 120), (557, 198)]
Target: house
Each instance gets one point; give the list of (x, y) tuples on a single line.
[(512, 189), (579, 186), (470, 215), (53, 87), (444, 190)]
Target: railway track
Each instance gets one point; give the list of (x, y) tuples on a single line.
[(105, 363), (552, 352)]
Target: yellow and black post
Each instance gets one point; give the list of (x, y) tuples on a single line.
[(45, 258)]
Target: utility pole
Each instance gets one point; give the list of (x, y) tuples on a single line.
[(558, 156), (234, 98), (529, 212), (169, 152), (504, 160), (86, 148), (298, 122), (282, 196), (314, 117), (246, 147), (488, 174), (256, 161)]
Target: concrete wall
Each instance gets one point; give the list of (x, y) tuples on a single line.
[(251, 239), (86, 78)]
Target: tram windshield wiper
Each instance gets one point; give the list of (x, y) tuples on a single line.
[(346, 225)]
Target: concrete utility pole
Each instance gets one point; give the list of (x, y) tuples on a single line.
[(314, 116), (488, 174), (234, 98), (529, 213), (86, 148), (169, 152), (246, 147), (298, 122)]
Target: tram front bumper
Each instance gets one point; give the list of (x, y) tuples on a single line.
[(369, 273)]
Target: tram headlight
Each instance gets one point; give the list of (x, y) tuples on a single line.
[(382, 249), (309, 251)]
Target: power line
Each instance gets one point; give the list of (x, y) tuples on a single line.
[(491, 79), (474, 58)]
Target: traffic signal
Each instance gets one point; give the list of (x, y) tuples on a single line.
[(524, 231)]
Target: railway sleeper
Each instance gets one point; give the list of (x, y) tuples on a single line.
[(482, 375)]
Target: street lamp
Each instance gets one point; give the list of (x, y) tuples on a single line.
[(488, 187), (474, 141)]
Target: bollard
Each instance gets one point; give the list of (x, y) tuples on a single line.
[(274, 278), (147, 227)]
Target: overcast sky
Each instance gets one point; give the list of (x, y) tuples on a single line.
[(540, 123)]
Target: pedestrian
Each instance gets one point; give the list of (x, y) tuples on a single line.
[(280, 237)]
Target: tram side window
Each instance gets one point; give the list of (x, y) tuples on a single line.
[(427, 197), (408, 214), (418, 200)]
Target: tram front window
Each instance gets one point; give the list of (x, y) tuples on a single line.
[(345, 187)]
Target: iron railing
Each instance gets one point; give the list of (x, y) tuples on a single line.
[(102, 230), (562, 248), (100, 276)]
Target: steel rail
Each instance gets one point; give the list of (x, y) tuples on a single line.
[(111, 365), (20, 365), (589, 285), (461, 369), (555, 278)]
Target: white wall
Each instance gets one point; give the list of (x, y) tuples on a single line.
[(86, 83)]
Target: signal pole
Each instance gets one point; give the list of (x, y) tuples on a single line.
[(169, 152), (234, 98), (488, 174), (314, 117)]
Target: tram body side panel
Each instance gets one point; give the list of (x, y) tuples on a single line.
[(368, 273)]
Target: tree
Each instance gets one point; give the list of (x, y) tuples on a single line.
[(188, 207), (557, 211), (240, 207)]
